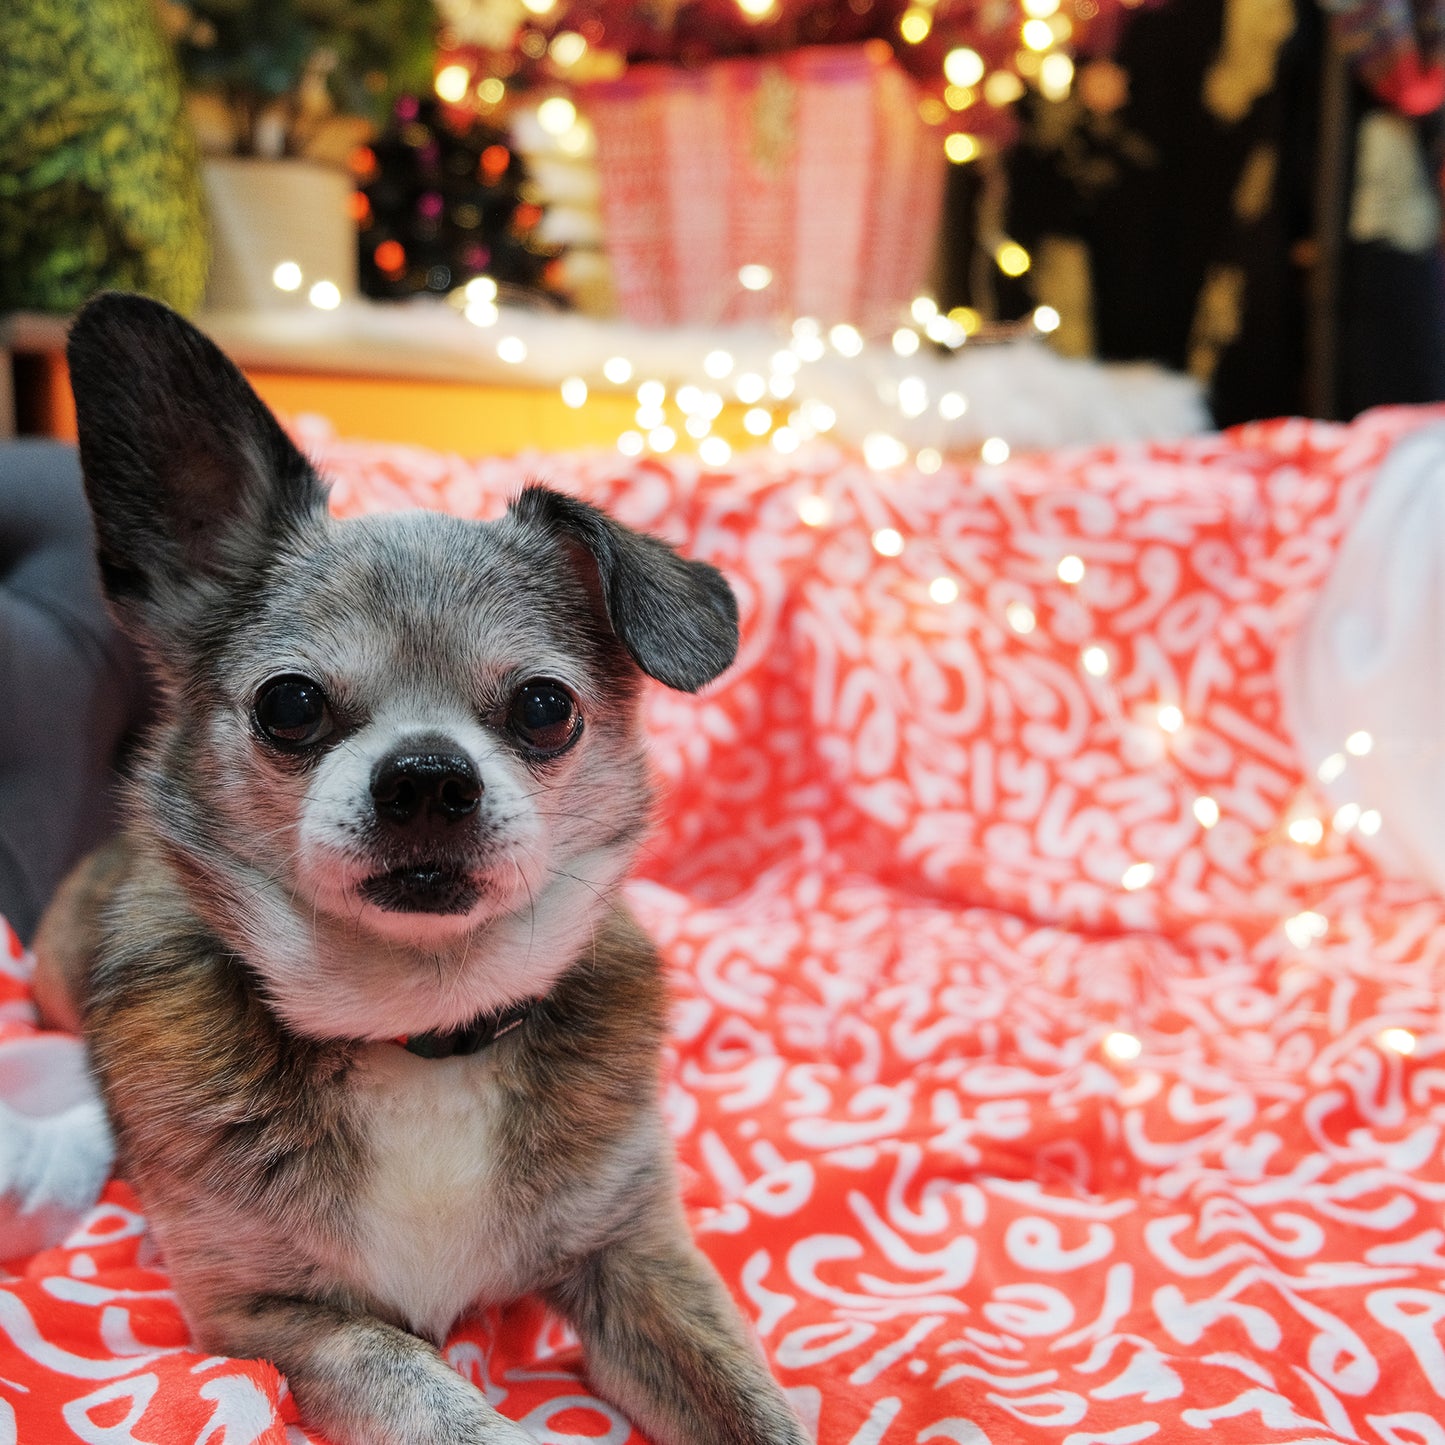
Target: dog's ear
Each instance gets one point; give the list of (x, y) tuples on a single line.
[(677, 618), (190, 477)]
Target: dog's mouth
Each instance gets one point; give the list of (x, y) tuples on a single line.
[(423, 888)]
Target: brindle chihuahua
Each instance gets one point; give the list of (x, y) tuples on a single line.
[(377, 1035)]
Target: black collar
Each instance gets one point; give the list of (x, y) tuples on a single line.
[(472, 1037)]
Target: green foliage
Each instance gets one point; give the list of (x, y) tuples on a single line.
[(266, 53), (99, 183)]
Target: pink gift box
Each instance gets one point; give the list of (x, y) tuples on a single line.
[(814, 163)]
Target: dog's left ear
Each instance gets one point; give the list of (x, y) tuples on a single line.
[(678, 619)]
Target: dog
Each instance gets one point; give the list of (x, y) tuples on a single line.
[(378, 1038)]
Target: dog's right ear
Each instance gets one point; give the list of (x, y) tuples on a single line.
[(190, 477)]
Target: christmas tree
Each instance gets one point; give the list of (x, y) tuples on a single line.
[(444, 198)]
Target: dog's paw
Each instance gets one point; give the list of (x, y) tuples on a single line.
[(56, 1148)]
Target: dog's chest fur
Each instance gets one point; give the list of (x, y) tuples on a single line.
[(435, 1228)]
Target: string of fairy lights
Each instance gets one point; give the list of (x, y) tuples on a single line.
[(1308, 826), (1016, 44), (781, 411)]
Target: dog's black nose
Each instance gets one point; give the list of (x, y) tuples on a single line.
[(413, 790)]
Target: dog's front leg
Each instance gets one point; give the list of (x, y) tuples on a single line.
[(361, 1381), (663, 1340)]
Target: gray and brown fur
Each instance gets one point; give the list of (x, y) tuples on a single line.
[(323, 1198)]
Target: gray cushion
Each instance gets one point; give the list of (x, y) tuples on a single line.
[(71, 686)]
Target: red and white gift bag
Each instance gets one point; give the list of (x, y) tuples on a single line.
[(814, 164)]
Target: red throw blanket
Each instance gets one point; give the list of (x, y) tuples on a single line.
[(1048, 1065)]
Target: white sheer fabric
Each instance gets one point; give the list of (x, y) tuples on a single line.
[(1363, 680)]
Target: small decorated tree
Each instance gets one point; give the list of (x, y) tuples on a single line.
[(443, 199)]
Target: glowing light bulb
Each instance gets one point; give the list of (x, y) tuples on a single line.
[(1206, 811), (756, 9), (943, 590), (1398, 1041), (882, 451), (287, 276), (325, 296), (1020, 616), (1012, 259), (905, 341), (491, 91), (574, 392), (1370, 821), (1331, 767), (1056, 76), (1122, 1047), (757, 421), (755, 278), (662, 439), (1046, 320), (568, 48), (750, 387), (995, 451), (631, 443), (648, 417), (617, 370), (1071, 569), (941, 329), (1346, 816), (912, 396), (556, 115), (888, 542), (575, 141), (718, 364), (928, 460), (1304, 928), (963, 66), (1095, 661), (915, 25), (1171, 719), (961, 147), (847, 340), (480, 288), (1308, 831), (923, 309), (1002, 88), (652, 393), (814, 511), (715, 452), (1358, 744), (952, 405), (452, 83), (785, 440), (1137, 876), (1037, 34), (821, 417)]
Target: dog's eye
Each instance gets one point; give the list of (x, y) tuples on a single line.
[(293, 711), (544, 716)]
